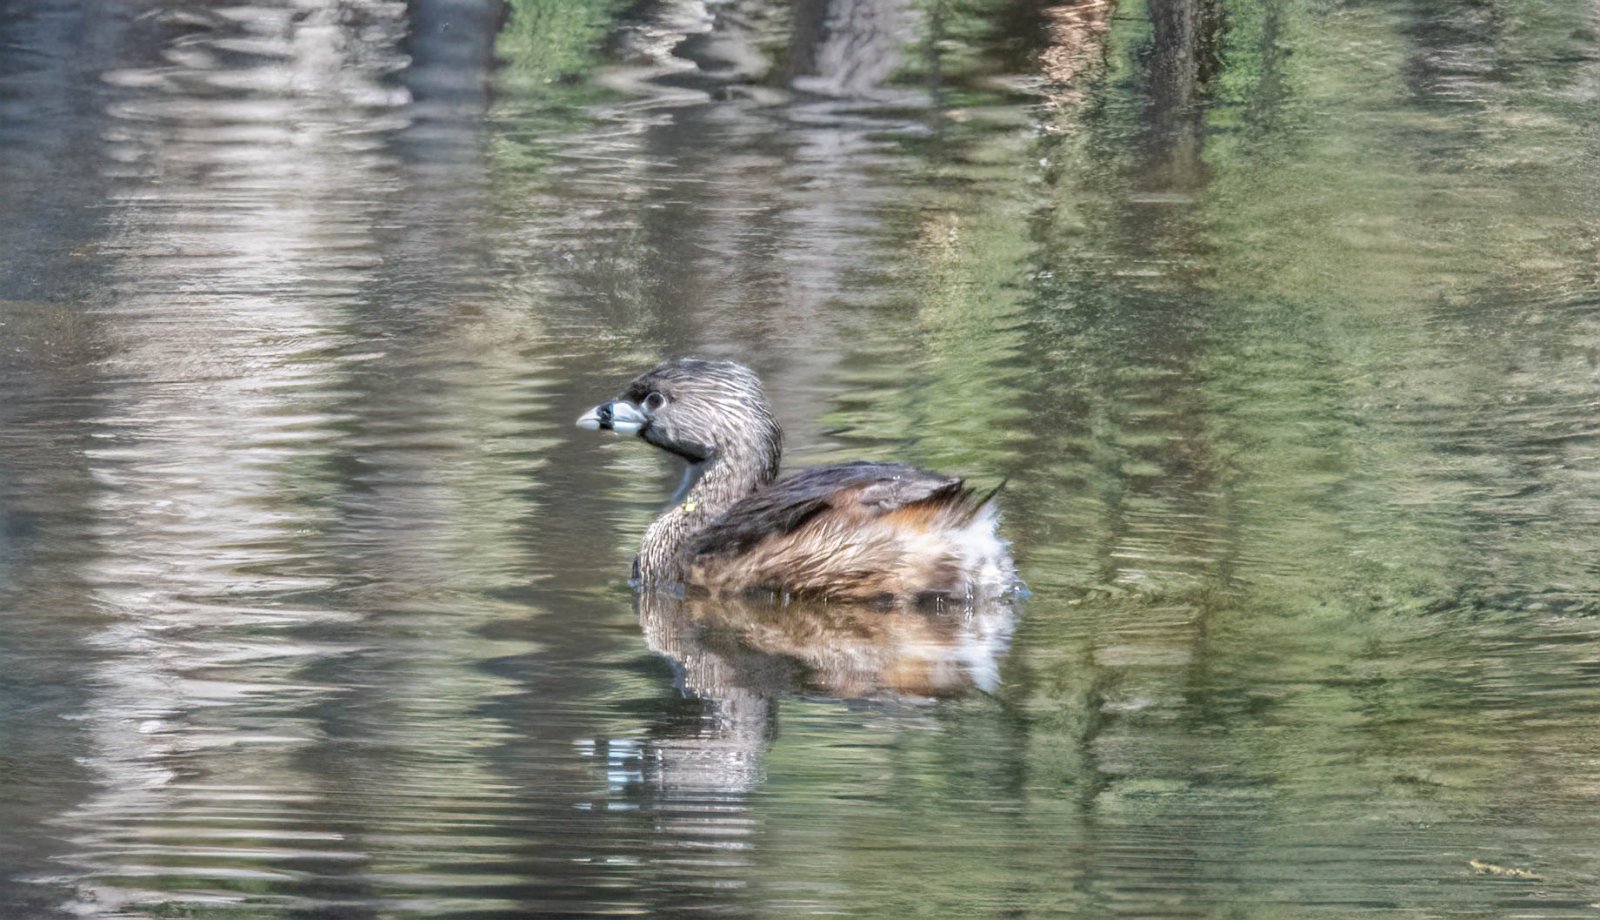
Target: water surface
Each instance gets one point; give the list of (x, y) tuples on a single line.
[(1281, 318)]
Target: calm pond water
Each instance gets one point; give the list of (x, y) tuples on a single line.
[(1282, 318)]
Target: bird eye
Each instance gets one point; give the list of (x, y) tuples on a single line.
[(654, 401)]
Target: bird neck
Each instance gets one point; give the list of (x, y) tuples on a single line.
[(709, 488)]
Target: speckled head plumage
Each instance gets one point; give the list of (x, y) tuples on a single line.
[(699, 410)]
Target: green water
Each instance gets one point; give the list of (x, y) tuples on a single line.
[(1282, 320)]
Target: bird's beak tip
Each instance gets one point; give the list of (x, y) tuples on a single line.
[(618, 415)]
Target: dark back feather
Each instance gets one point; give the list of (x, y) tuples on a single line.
[(863, 487)]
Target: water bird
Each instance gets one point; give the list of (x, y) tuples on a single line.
[(883, 533)]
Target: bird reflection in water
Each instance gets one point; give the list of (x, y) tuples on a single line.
[(741, 657), (724, 647)]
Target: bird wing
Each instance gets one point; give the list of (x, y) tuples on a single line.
[(861, 489)]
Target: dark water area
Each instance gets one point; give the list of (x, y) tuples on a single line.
[(1281, 319)]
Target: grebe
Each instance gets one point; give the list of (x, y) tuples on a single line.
[(862, 531)]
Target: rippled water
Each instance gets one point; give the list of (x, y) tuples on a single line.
[(1283, 319)]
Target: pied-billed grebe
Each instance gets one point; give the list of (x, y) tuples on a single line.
[(856, 531)]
